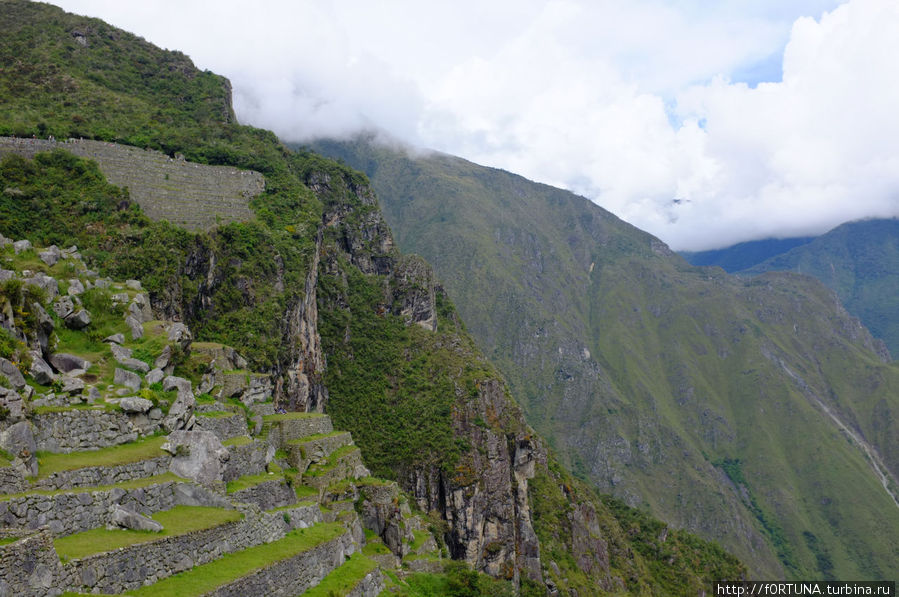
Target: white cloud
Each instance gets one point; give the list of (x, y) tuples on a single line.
[(628, 102)]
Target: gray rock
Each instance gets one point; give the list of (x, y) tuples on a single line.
[(48, 284), (181, 334), (75, 287), (176, 383), (4, 241), (133, 284), (72, 386), (66, 363), (120, 352), (126, 378), (155, 414), (197, 455), (142, 301), (71, 251), (163, 360), (182, 410), (41, 371), (135, 365), (44, 326), (133, 404), (50, 255), (18, 440), (21, 245), (121, 517), (120, 298), (12, 373), (154, 376), (137, 330), (93, 394), (6, 274), (14, 403), (63, 307), (102, 282), (115, 338), (78, 320)]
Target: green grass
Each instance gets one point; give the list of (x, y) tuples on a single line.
[(341, 580), (230, 567), (133, 484), (420, 538), (180, 520), (375, 547), (310, 438), (305, 491), (8, 540), (333, 460), (290, 416), (248, 481), (143, 449), (217, 414), (240, 440)]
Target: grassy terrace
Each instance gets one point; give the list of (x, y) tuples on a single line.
[(143, 449), (248, 481), (290, 416), (311, 438), (230, 567), (333, 460), (135, 484), (240, 440), (180, 520), (344, 578)]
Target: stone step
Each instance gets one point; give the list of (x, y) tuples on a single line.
[(224, 424), (74, 510), (315, 448), (359, 576), (106, 466), (292, 565), (266, 490), (344, 463), (279, 429)]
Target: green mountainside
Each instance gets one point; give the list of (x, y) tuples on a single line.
[(860, 262), (314, 293), (757, 412)]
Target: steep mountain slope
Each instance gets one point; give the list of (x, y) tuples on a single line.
[(756, 412), (860, 262), (312, 290)]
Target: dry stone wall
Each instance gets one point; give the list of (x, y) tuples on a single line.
[(104, 475), (194, 196), (30, 566), (73, 430), (67, 513)]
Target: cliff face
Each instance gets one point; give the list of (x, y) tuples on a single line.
[(482, 495)]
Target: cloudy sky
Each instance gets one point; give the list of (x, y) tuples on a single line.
[(704, 122)]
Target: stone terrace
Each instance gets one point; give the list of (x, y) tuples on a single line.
[(194, 196)]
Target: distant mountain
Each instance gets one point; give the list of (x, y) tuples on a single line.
[(860, 262), (744, 255), (754, 411)]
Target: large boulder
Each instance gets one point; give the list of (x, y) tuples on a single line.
[(40, 370), (181, 412), (47, 283), (123, 518), (137, 330), (197, 455), (126, 378), (12, 373), (18, 440), (44, 326), (133, 404), (181, 334), (12, 404), (78, 320), (50, 255), (66, 363), (21, 245), (63, 307), (123, 356), (75, 287)]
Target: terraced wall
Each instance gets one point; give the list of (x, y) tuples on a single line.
[(194, 196)]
